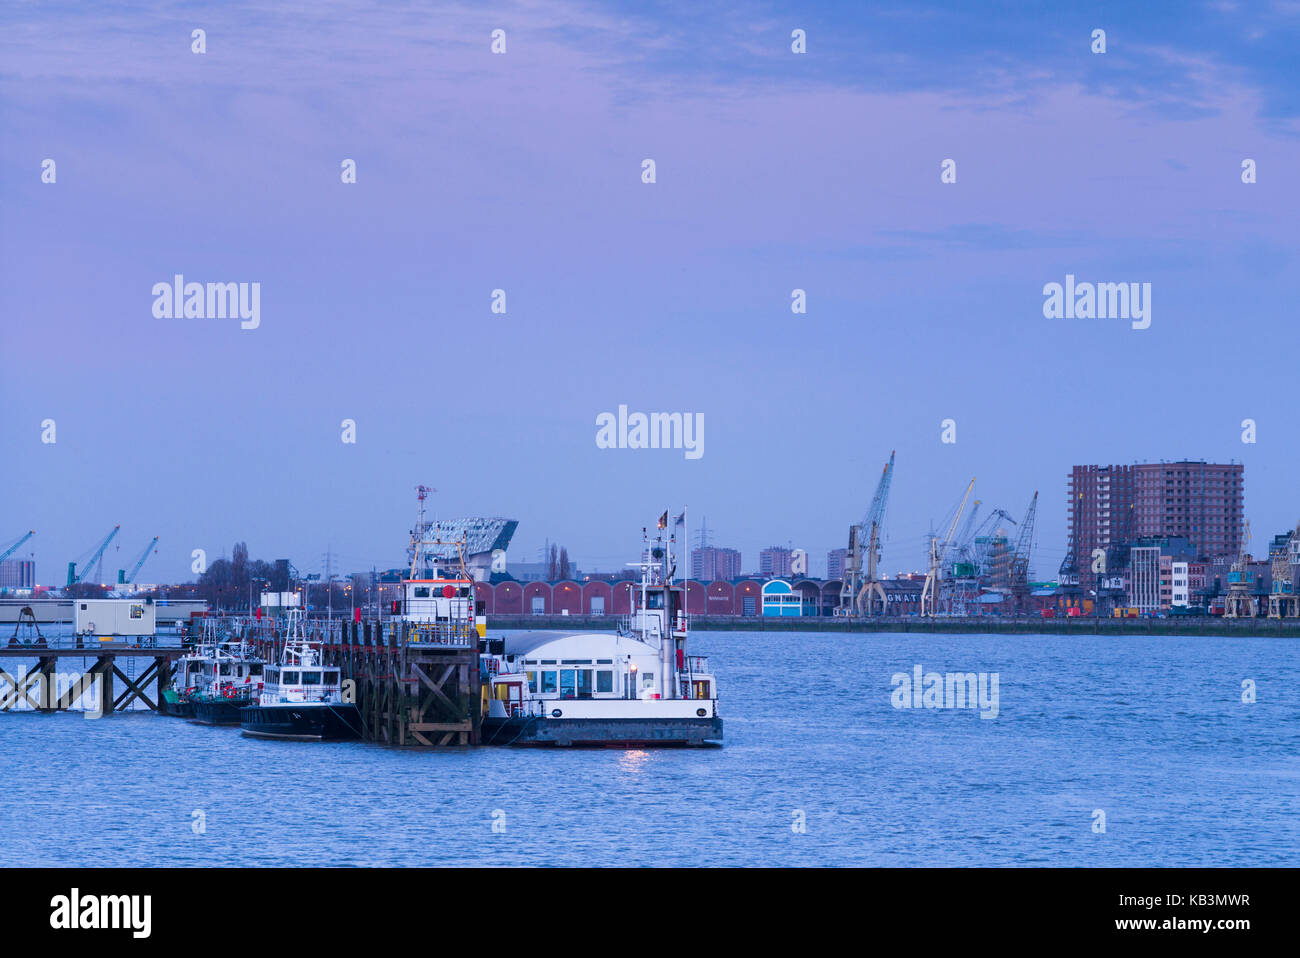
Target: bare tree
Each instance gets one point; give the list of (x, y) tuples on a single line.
[(564, 563)]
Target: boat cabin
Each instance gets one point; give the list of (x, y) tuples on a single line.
[(438, 600), (441, 612), (300, 683), (539, 667), (208, 674)]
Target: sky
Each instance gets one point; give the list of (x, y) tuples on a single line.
[(523, 171)]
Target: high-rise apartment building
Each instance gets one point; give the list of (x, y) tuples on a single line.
[(710, 564), (835, 560), (1202, 502), (1116, 505), (776, 561)]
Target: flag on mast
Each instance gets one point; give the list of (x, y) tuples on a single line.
[(663, 520)]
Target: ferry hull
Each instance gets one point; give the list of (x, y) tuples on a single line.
[(604, 732), (302, 723)]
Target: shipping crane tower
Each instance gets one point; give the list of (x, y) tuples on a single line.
[(861, 590)]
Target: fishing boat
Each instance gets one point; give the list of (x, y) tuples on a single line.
[(301, 698), (634, 688), (214, 680), (230, 678)]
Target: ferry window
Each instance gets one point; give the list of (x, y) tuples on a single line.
[(604, 661), (137, 612), (654, 600), (421, 591), (584, 683), (568, 684), (239, 671), (604, 680), (290, 678), (548, 681), (311, 678), (225, 668), (575, 661), (255, 669), (532, 681), (647, 680)]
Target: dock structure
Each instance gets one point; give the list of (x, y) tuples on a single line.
[(49, 688), (416, 684)]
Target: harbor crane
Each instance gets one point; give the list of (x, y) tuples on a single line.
[(1240, 602), (964, 559), (75, 578), (123, 578), (938, 555), (861, 587), (1020, 558), (14, 548)]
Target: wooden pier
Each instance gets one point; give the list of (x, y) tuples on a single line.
[(39, 686), (416, 684)]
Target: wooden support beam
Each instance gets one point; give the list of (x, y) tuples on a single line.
[(45, 667), (9, 698), (102, 669), (26, 683), (436, 688), (135, 689)]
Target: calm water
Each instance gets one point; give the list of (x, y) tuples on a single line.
[(1151, 730)]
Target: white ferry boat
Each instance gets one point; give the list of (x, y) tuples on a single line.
[(634, 688), (301, 698)]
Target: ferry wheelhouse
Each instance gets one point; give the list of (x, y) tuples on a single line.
[(637, 687), (301, 698)]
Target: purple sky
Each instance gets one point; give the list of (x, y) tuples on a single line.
[(522, 171)]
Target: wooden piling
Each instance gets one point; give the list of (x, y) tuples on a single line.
[(412, 690)]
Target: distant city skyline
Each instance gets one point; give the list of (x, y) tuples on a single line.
[(382, 356)]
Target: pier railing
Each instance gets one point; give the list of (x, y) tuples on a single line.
[(445, 635), (91, 644), (397, 634)]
